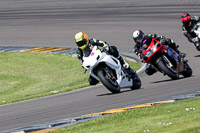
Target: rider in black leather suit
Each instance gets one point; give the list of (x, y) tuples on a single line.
[(188, 27)]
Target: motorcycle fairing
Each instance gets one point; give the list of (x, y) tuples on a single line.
[(149, 48), (197, 29), (171, 53), (114, 63), (96, 59), (91, 60), (175, 56)]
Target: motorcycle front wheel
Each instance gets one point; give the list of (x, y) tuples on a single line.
[(163, 67), (109, 83)]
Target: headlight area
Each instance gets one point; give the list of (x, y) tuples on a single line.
[(149, 53)]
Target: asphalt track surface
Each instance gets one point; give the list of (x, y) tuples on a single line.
[(54, 23)]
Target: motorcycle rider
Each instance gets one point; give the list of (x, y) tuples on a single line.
[(189, 23), (85, 45), (139, 37)]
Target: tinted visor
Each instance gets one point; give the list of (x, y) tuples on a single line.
[(81, 43), (139, 38)]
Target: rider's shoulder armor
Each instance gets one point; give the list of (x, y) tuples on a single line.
[(195, 18)]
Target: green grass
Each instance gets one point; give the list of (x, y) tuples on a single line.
[(179, 117), (132, 64), (30, 75)]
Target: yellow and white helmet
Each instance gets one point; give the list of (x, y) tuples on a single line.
[(81, 40)]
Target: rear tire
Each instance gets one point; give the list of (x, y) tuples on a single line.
[(162, 66), (113, 87)]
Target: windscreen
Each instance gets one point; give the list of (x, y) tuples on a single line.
[(87, 51), (146, 44)]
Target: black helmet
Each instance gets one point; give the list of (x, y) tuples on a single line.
[(186, 19), (138, 36)]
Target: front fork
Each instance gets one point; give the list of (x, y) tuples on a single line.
[(167, 61), (110, 74)]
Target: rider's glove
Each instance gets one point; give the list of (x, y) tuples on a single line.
[(137, 53), (140, 56)]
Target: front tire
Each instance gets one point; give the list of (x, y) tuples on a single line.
[(162, 66), (107, 82)]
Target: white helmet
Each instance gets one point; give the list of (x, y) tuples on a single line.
[(138, 36)]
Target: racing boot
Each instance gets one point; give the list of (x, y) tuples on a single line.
[(180, 53), (126, 66), (173, 45), (150, 70), (184, 60), (123, 63), (197, 45), (92, 80)]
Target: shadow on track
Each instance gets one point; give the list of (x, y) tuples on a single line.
[(197, 56), (122, 91), (169, 80)]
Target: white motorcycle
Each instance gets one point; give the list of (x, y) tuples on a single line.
[(197, 29), (107, 69)]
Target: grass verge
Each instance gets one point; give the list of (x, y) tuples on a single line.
[(178, 117), (30, 75)]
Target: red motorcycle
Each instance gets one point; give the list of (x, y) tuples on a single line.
[(164, 59)]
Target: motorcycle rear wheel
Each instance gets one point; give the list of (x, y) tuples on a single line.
[(162, 66), (108, 83)]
